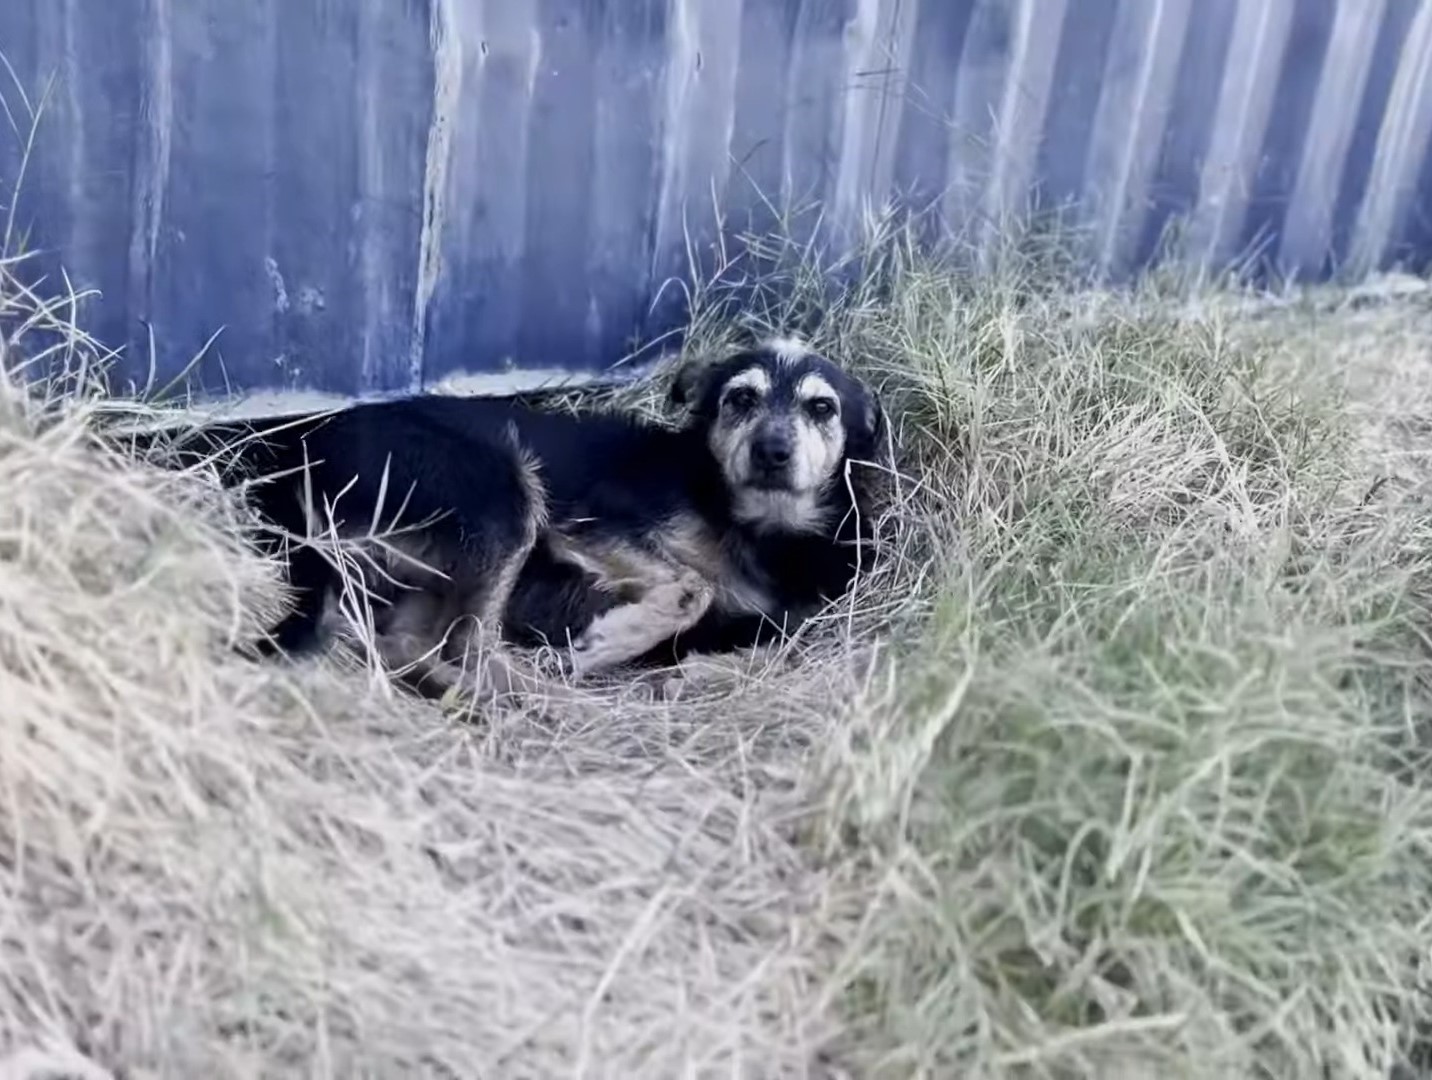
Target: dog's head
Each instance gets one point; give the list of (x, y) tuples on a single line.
[(781, 421)]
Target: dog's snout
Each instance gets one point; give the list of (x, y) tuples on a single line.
[(772, 450)]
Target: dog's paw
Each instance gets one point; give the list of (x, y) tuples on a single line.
[(587, 654), (685, 600)]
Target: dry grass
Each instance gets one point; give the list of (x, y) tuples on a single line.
[(215, 868), (1113, 762)]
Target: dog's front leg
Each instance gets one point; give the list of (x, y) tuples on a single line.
[(629, 631)]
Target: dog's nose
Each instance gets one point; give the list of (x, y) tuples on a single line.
[(772, 452)]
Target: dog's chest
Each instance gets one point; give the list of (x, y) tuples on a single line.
[(741, 591), (629, 564), (741, 584)]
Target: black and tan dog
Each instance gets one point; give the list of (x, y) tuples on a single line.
[(612, 539)]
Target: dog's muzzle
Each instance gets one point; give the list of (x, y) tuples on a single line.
[(771, 454)]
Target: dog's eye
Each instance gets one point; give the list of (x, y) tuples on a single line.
[(821, 408), (742, 398)]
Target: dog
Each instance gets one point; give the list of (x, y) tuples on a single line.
[(608, 539)]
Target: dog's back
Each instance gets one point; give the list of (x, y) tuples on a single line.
[(618, 472)]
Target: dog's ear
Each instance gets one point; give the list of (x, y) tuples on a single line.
[(867, 425), (875, 418), (688, 384)]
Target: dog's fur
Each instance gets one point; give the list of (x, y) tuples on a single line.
[(614, 540)]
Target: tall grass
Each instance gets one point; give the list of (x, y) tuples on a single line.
[(1142, 783)]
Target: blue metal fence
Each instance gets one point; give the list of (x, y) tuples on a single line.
[(369, 196)]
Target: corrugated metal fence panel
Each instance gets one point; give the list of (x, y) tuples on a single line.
[(372, 195)]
